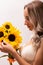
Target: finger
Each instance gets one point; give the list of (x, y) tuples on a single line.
[(0, 43), (4, 42), (1, 47)]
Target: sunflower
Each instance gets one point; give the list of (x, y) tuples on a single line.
[(14, 38), (1, 34), (8, 27), (10, 34)]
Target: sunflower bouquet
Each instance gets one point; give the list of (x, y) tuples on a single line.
[(11, 35)]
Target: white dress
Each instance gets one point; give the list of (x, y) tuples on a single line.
[(28, 53)]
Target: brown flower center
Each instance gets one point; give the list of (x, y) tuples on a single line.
[(11, 37), (6, 31), (1, 34), (7, 26)]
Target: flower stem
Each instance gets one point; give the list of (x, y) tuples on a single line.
[(10, 63)]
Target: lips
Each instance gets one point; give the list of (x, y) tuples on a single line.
[(26, 24)]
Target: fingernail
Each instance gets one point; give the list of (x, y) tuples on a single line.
[(4, 43)]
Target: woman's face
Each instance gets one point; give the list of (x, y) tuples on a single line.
[(27, 22)]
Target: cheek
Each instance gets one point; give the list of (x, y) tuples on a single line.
[(31, 26)]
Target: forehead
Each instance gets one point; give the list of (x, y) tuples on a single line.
[(25, 12)]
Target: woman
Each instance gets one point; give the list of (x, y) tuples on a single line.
[(31, 54)]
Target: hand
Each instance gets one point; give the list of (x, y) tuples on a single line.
[(5, 47)]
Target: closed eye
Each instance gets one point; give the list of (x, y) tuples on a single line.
[(27, 17)]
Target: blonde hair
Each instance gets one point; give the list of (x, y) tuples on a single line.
[(35, 11)]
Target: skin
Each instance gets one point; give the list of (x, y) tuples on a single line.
[(27, 22), (9, 49)]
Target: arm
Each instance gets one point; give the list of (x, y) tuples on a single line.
[(9, 49), (19, 59), (38, 59), (39, 56)]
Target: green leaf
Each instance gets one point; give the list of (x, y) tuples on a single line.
[(3, 56), (10, 56)]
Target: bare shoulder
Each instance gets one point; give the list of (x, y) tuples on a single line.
[(39, 55)]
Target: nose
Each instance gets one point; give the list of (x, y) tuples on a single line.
[(25, 22)]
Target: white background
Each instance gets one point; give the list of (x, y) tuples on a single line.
[(12, 10)]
